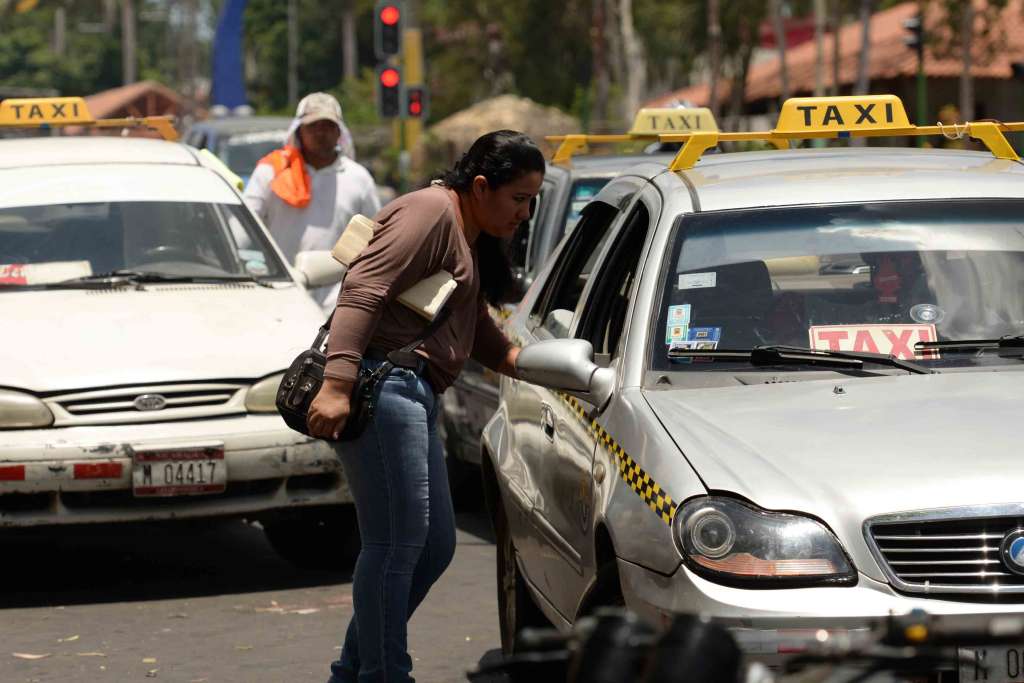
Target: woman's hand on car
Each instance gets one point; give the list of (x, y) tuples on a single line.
[(329, 410)]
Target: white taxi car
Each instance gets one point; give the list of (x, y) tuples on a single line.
[(779, 388), (148, 317)]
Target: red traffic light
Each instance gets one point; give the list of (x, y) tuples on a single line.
[(390, 78), (415, 108), (389, 15)]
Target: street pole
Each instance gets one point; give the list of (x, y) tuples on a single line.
[(922, 83), (128, 72), (293, 53)]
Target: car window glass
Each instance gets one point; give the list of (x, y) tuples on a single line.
[(566, 282), (579, 196), (603, 317), (242, 152), (877, 277), (171, 238)]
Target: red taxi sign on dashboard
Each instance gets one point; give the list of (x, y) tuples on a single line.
[(894, 340)]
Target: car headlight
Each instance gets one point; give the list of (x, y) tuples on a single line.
[(22, 411), (734, 543), (262, 396)]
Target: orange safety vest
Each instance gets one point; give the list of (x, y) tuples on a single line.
[(291, 180)]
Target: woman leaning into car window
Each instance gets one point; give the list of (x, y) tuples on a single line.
[(396, 468)]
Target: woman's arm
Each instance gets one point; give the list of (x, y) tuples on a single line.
[(491, 348)]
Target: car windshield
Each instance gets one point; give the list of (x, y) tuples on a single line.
[(42, 245), (580, 194), (875, 278), (242, 152)]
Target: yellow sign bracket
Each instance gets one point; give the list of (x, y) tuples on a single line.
[(161, 124), (571, 145), (695, 146)]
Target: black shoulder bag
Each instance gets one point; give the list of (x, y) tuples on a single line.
[(305, 376)]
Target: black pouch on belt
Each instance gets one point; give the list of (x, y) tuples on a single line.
[(303, 379)]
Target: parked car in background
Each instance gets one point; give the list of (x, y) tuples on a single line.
[(239, 141), (149, 318)]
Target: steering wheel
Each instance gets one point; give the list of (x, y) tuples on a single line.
[(169, 252)]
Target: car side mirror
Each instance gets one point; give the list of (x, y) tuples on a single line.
[(318, 268), (567, 365)]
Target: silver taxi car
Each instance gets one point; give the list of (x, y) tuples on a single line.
[(474, 396), (570, 182), (779, 388)]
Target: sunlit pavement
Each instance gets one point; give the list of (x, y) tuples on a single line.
[(209, 602)]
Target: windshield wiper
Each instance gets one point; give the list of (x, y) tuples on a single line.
[(778, 354), (136, 276), (1008, 342)]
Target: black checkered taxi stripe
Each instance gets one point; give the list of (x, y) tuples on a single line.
[(634, 475)]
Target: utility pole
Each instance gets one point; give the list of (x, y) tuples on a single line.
[(714, 53), (779, 28), (293, 53), (60, 30), (819, 48), (349, 48), (966, 77), (128, 61)]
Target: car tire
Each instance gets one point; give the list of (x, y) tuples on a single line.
[(516, 609), (320, 538)]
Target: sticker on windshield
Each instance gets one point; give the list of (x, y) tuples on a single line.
[(676, 333), (698, 280), (694, 345), (678, 323), (705, 334), (889, 340)]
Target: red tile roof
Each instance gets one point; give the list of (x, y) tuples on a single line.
[(889, 57), (145, 98)]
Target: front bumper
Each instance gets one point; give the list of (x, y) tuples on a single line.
[(269, 468), (770, 624)]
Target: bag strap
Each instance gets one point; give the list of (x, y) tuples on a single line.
[(402, 353)]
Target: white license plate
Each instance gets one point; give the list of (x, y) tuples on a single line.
[(179, 470), (1004, 664)]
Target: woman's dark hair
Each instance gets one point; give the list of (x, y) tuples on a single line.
[(501, 157)]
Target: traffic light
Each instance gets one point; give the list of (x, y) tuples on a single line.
[(915, 32), (389, 92), (416, 102), (387, 28)]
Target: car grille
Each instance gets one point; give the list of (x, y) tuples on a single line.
[(948, 552), (156, 403)]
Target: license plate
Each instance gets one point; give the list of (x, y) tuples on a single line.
[(179, 470), (1004, 664)]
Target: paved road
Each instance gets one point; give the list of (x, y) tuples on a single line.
[(211, 603)]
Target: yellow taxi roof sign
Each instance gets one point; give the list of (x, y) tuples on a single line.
[(802, 116), (43, 111), (655, 121)]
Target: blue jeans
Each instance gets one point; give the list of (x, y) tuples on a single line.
[(397, 475)]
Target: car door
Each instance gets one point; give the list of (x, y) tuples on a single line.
[(600, 319), (553, 446), (474, 396)]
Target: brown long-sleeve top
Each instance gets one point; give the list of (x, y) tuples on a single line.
[(420, 234)]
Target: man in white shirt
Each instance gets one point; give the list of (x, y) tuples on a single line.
[(307, 191)]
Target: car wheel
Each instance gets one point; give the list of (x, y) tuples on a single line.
[(316, 538), (516, 609)]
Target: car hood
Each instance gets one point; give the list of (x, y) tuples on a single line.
[(62, 340), (851, 449)]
